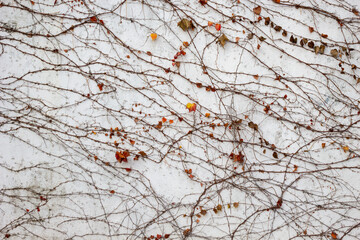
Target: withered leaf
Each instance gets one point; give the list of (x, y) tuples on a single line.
[(275, 155), (203, 212), (250, 36), (142, 153), (257, 10), (253, 126), (293, 40), (262, 38), (322, 49), (284, 33), (303, 41), (185, 24), (223, 39), (278, 28), (334, 53), (267, 21), (311, 44)]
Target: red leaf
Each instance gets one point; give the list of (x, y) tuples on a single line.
[(93, 19), (128, 169), (218, 26)]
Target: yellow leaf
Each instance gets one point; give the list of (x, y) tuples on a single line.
[(345, 148), (153, 36)]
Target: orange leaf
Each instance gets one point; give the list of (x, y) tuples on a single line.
[(276, 1), (345, 148), (257, 10), (324, 35), (323, 145), (153, 36), (333, 235), (207, 114), (311, 29), (171, 121), (237, 39), (132, 142), (256, 77), (210, 23), (93, 19), (191, 107), (112, 191), (163, 119), (32, 2)]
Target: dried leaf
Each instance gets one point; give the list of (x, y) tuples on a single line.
[(333, 235), (293, 40), (275, 155), (267, 21), (356, 12), (223, 39), (257, 10), (278, 28), (185, 24), (334, 53), (253, 126), (311, 44), (262, 38), (236, 204), (311, 29)]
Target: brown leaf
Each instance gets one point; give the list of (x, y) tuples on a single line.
[(311, 44), (356, 12), (311, 29), (267, 21), (293, 40), (185, 24), (275, 155), (334, 53), (262, 38), (257, 10), (223, 39), (279, 203), (253, 126), (324, 35)]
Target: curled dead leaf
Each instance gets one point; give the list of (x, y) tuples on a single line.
[(257, 10)]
